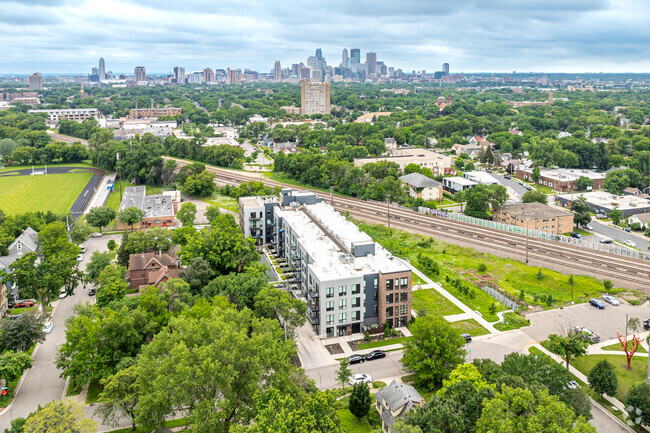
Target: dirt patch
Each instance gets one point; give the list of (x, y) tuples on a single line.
[(334, 349)]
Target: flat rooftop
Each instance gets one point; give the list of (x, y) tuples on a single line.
[(326, 254), (459, 180), (158, 205), (533, 210), (608, 201), (133, 197), (569, 175)]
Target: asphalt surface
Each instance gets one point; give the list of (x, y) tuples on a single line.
[(82, 201), (512, 184), (50, 170), (607, 232)]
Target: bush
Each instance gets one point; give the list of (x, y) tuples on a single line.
[(482, 267), (513, 320), (608, 285), (366, 336)]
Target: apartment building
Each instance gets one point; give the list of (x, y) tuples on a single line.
[(76, 114), (348, 281), (139, 113), (438, 163), (314, 98), (535, 216)]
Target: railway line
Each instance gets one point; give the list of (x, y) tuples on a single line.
[(568, 259)]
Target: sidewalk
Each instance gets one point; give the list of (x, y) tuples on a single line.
[(102, 193)]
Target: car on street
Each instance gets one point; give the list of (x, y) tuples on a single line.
[(606, 241), (588, 227), (610, 300), (97, 235), (80, 257), (630, 243), (487, 170), (83, 248), (375, 354), (587, 334), (47, 327), (467, 337), (360, 378), (63, 294), (355, 359), (573, 385), (92, 291), (626, 229), (646, 324), (596, 303), (576, 235), (506, 176)]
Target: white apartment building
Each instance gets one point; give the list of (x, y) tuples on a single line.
[(76, 114), (314, 98)]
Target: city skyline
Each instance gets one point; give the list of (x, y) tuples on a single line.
[(553, 36)]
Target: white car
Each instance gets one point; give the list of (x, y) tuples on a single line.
[(360, 378), (630, 243), (63, 294), (97, 235), (573, 385), (80, 257), (610, 300), (83, 248), (47, 328)]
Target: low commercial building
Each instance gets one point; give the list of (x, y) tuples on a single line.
[(75, 114), (561, 179), (535, 216), (139, 113), (421, 186), (456, 184), (348, 281), (602, 202), (438, 163), (480, 177), (159, 209)]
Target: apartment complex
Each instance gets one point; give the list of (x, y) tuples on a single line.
[(535, 216), (139, 113), (35, 81), (139, 74), (348, 281), (438, 163), (561, 179), (314, 98), (76, 114)]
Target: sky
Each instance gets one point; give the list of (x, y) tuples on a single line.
[(69, 36)]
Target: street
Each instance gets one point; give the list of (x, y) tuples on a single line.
[(607, 232), (512, 185)]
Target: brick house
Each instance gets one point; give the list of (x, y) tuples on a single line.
[(151, 269)]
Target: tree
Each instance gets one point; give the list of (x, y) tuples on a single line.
[(197, 274), (483, 198), (343, 373), (583, 182), (80, 232), (535, 174), (534, 196), (187, 214), (199, 185), (602, 379), (519, 410), (20, 334), (276, 304), (639, 398), (634, 324), (580, 209), (100, 216), (360, 400), (98, 262), (434, 350), (63, 416), (616, 216), (211, 213), (130, 216), (12, 365), (629, 346), (568, 348), (111, 285), (119, 397)]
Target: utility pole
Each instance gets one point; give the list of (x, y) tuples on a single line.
[(332, 196), (388, 209), (527, 241)]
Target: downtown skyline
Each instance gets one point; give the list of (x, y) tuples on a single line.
[(64, 37)]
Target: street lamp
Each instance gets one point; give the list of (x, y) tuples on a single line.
[(528, 219)]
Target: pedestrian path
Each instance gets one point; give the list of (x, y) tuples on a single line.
[(101, 196)]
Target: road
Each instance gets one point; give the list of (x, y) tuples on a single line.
[(515, 186), (609, 232), (41, 383)]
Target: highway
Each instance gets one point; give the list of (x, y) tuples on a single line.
[(568, 259)]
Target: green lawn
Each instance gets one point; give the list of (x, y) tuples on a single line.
[(617, 347), (94, 389), (223, 201), (382, 343), (70, 391), (626, 378), (350, 423), (11, 388), (513, 321), (433, 303), (511, 275), (54, 192), (22, 167), (471, 326)]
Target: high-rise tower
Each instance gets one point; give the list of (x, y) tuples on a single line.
[(371, 62), (139, 74), (345, 60), (102, 70), (277, 71)]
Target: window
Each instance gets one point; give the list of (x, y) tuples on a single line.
[(389, 285), (396, 286), (343, 290), (356, 315), (403, 309), (375, 296), (375, 283), (343, 317), (19, 246), (389, 298), (329, 292), (405, 282), (375, 310), (343, 304), (404, 297), (356, 289), (329, 319), (330, 306), (389, 312), (356, 302)]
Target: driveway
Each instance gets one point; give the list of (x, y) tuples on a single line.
[(512, 185), (41, 383)]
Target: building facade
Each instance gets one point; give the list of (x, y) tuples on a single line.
[(139, 74), (159, 210), (76, 114), (562, 179), (139, 113), (456, 184), (421, 186), (36, 81), (438, 163), (535, 216), (314, 98)]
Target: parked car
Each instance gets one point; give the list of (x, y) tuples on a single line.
[(627, 229), (80, 257), (587, 333), (596, 303), (487, 170), (92, 291), (375, 354), (573, 385), (355, 359), (646, 324), (630, 243), (588, 227), (97, 235), (610, 300), (47, 328), (83, 248), (506, 176), (360, 378), (15, 316), (606, 241), (467, 337), (576, 235), (23, 303), (63, 294)]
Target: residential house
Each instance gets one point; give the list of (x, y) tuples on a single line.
[(27, 242), (421, 186), (643, 219), (631, 191), (394, 401), (151, 269)]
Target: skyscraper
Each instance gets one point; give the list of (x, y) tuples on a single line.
[(355, 53), (277, 71), (445, 68), (179, 74), (371, 62), (319, 53), (102, 70), (314, 98), (208, 75), (139, 74), (345, 60), (36, 81)]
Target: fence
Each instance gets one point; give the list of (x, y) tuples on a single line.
[(538, 234)]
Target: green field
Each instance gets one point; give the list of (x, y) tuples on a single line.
[(626, 378), (223, 201), (22, 167), (54, 192), (617, 347), (433, 303), (470, 326)]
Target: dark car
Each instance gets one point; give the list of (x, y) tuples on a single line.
[(596, 303), (92, 292), (646, 324), (606, 241), (375, 354), (15, 316), (506, 176), (355, 359), (467, 337), (576, 235), (487, 170)]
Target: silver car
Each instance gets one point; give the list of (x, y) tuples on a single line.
[(610, 300)]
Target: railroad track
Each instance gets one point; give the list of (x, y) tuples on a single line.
[(628, 272)]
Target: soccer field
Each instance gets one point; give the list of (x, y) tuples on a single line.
[(55, 192)]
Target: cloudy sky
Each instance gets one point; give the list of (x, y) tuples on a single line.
[(69, 36)]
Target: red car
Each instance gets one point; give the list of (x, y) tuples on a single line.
[(23, 303)]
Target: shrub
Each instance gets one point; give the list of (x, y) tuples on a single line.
[(366, 336), (608, 285), (482, 267)]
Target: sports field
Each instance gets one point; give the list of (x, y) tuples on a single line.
[(55, 192)]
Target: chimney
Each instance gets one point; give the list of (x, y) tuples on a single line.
[(23, 231)]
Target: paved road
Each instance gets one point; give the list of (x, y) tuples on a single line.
[(512, 184), (608, 232), (42, 384)]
